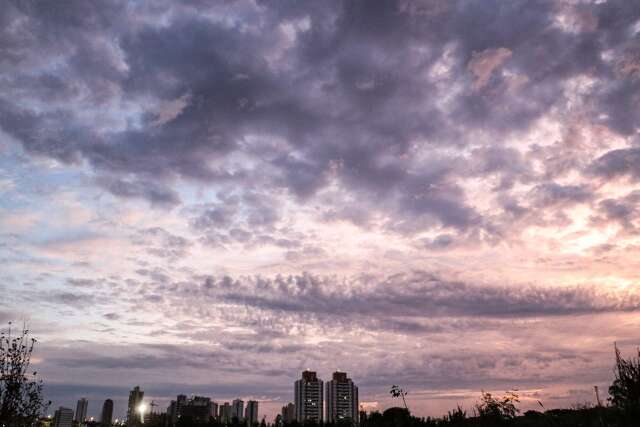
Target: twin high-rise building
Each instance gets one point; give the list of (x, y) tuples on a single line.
[(308, 393), (341, 399), (81, 410)]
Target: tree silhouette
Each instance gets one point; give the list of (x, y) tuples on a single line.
[(496, 410), (625, 390), (456, 417), (396, 391), (21, 400)]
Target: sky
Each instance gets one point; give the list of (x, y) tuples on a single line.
[(209, 197)]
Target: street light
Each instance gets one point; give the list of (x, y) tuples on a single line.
[(142, 408)]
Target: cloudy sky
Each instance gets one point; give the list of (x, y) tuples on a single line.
[(208, 197)]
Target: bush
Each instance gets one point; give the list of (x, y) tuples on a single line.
[(21, 399), (625, 390)]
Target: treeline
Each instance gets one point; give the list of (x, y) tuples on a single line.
[(584, 417)]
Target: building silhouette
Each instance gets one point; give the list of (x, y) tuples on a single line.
[(238, 409), (308, 393), (81, 410), (174, 408), (289, 413), (106, 419), (251, 413), (135, 399), (63, 417), (342, 399), (225, 413), (214, 409), (198, 409), (172, 414)]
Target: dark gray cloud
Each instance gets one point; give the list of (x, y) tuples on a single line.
[(112, 316), (618, 163), (625, 211), (420, 295), (157, 194), (71, 299), (552, 194), (348, 102), (163, 244)]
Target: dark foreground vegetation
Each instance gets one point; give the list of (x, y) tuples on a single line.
[(586, 417), (21, 401)]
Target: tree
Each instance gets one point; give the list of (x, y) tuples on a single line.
[(21, 400), (625, 390), (396, 417), (396, 391), (456, 417), (498, 409)]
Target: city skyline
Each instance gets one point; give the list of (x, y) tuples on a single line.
[(235, 406), (211, 197)]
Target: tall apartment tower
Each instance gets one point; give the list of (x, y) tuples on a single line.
[(134, 417), (81, 410), (107, 413), (342, 399), (308, 398), (238, 409), (63, 417), (251, 413)]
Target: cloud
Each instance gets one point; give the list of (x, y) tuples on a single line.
[(618, 163), (484, 63), (157, 194), (71, 299), (552, 194), (623, 211), (161, 243), (419, 294)]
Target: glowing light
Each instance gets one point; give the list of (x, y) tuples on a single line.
[(142, 408)]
